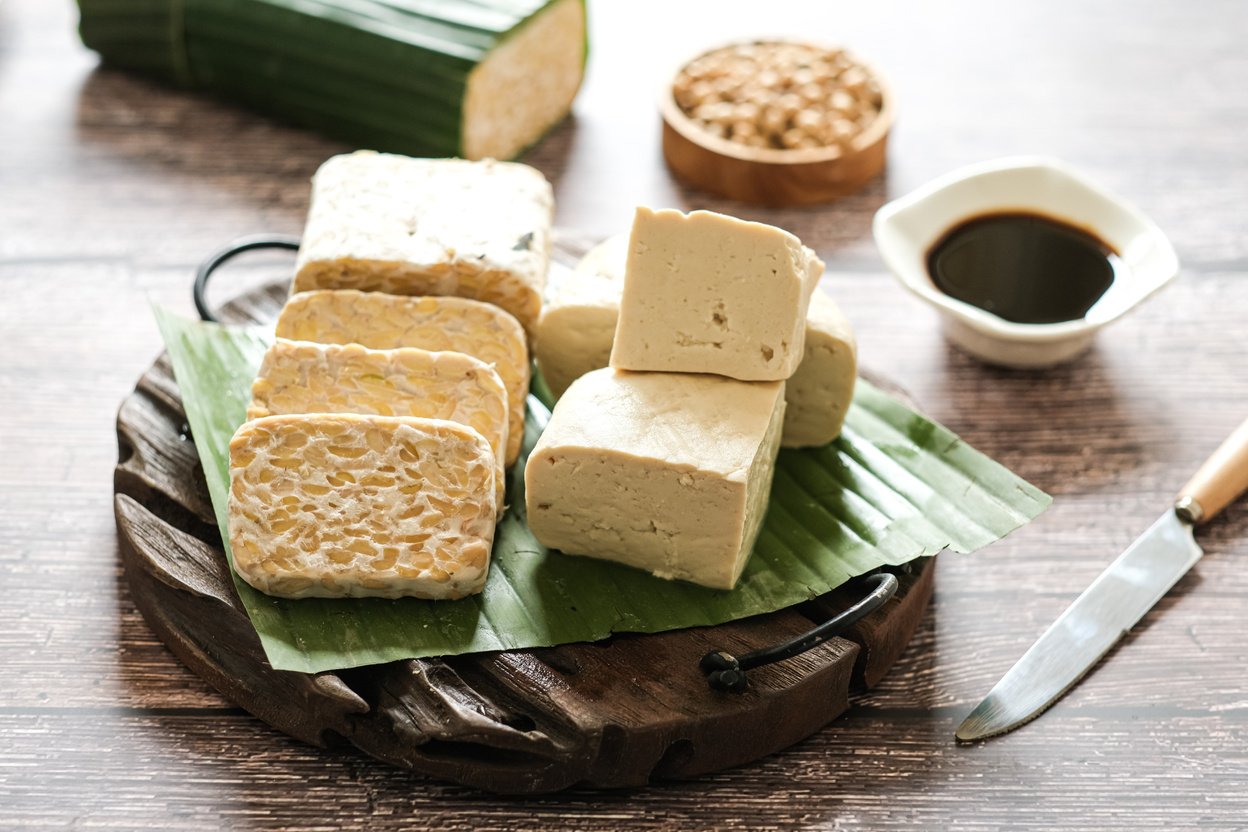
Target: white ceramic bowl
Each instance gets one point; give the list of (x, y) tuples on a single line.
[(907, 228)]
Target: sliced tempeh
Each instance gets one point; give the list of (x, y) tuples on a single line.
[(302, 377), (334, 505), (382, 322)]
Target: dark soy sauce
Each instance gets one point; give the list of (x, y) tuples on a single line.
[(1022, 267)]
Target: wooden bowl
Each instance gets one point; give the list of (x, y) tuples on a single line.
[(770, 176)]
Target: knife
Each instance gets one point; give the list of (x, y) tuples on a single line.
[(1115, 601)]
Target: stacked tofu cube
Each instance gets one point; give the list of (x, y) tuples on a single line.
[(664, 460), (385, 414), (577, 329)]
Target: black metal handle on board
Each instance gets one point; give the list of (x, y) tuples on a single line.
[(219, 258), (726, 672)]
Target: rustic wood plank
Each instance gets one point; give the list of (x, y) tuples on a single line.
[(1101, 770)]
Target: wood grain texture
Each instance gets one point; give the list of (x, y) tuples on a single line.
[(113, 189), (624, 711)]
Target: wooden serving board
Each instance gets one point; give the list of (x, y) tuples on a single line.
[(619, 712)]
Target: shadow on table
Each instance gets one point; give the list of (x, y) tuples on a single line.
[(160, 130), (1069, 428), (193, 134)]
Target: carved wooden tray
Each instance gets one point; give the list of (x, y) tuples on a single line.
[(619, 712)]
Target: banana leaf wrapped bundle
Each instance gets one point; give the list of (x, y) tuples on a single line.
[(479, 79)]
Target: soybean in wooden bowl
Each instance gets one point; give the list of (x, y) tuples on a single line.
[(777, 122)]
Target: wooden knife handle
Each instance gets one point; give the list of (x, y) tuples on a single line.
[(1222, 478)]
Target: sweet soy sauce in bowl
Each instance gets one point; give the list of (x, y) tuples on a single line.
[(1023, 258), (1024, 267)]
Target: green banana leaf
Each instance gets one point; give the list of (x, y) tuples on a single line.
[(371, 73), (894, 487)]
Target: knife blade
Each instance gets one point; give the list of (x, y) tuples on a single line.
[(1094, 623), (1116, 600)]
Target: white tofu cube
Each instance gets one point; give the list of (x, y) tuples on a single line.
[(707, 293), (820, 392), (578, 323), (661, 471)]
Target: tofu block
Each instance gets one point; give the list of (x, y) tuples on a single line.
[(332, 505), (385, 322), (707, 293), (578, 325), (385, 223), (581, 307), (820, 392), (666, 472), (302, 377)]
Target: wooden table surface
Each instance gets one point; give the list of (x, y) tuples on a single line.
[(111, 189)]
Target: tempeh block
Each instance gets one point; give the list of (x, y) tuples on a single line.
[(343, 505), (382, 322), (303, 377), (386, 223)]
